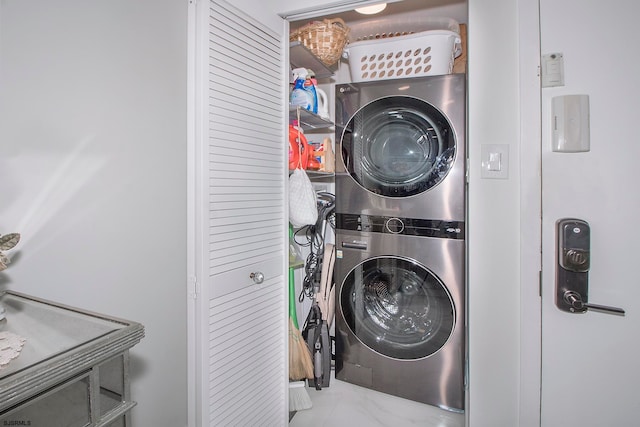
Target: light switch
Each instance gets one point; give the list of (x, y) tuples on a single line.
[(495, 161)]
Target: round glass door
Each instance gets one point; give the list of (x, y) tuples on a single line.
[(398, 146), (397, 307)]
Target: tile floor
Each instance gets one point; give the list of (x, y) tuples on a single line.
[(347, 405)]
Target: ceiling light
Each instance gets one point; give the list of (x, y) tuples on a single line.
[(371, 10)]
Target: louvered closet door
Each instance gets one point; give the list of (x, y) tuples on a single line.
[(242, 301)]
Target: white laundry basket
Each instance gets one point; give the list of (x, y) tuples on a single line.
[(404, 48)]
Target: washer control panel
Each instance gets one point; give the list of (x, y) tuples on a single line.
[(404, 226)]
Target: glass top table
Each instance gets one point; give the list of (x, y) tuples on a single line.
[(60, 342)]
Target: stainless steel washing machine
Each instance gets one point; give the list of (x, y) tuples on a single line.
[(400, 237), (400, 309), (400, 147)]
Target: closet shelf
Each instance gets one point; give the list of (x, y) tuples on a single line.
[(309, 120), (319, 174), (316, 174), (301, 57)]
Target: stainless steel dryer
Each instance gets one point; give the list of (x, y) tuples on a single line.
[(400, 237), (400, 316), (400, 147)]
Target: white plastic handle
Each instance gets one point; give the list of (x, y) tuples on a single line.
[(323, 103)]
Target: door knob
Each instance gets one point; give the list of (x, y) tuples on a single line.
[(257, 277)]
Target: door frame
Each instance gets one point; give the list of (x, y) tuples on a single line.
[(530, 213), (196, 129), (530, 195), (530, 200)]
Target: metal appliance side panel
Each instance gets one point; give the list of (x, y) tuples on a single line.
[(445, 201), (441, 374)]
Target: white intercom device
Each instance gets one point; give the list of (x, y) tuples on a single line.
[(570, 123)]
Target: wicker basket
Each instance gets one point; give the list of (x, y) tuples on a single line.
[(325, 39)]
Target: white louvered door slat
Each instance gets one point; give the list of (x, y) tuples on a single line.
[(239, 129), (243, 330)]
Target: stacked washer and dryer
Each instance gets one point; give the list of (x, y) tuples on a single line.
[(400, 237)]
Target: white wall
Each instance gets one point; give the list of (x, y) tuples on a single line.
[(93, 172), (494, 228)]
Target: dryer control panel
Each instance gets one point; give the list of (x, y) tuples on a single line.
[(405, 226)]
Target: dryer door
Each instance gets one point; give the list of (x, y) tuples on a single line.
[(397, 307), (398, 146)]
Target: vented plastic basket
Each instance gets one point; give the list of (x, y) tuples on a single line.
[(393, 56)]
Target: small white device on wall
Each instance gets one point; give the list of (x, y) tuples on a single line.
[(570, 115)]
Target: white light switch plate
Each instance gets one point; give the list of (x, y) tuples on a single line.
[(495, 161)]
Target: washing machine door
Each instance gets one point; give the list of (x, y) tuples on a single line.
[(398, 146), (397, 307)]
